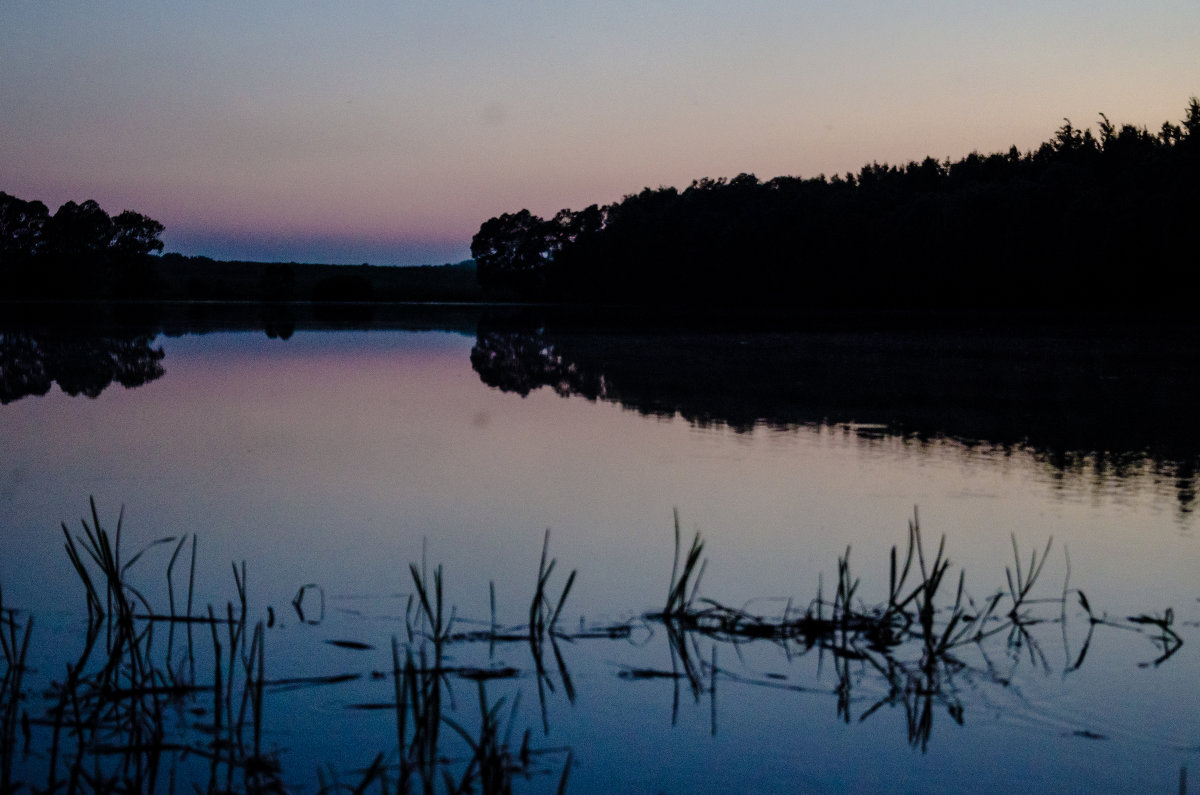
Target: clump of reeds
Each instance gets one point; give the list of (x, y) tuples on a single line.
[(113, 703), (109, 718), (922, 614), (115, 698)]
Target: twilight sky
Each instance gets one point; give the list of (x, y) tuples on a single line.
[(385, 132)]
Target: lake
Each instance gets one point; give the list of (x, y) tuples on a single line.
[(328, 453)]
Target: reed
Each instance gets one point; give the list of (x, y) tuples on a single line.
[(680, 596), (109, 723), (430, 600), (543, 612), (301, 599), (15, 644), (1023, 583)]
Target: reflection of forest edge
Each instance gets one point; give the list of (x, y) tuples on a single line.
[(30, 362), (86, 347), (1106, 403), (1098, 404)]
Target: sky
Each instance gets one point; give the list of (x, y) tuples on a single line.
[(386, 132)]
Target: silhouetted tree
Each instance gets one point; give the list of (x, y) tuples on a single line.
[(81, 231), (79, 251), (514, 249), (21, 224), (135, 235)]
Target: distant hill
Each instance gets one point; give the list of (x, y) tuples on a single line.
[(203, 279), (81, 253)]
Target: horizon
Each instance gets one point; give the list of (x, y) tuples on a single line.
[(386, 135)]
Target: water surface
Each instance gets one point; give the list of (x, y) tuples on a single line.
[(338, 457)]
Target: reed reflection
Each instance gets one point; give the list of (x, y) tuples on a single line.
[(125, 718)]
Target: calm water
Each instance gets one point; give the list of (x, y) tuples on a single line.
[(337, 457)]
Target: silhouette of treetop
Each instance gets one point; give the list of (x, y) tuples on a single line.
[(1084, 220), (80, 250)]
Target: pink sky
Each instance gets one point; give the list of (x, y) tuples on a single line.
[(386, 132)]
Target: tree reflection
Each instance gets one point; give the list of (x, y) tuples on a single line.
[(514, 361), (30, 362), (1096, 410)]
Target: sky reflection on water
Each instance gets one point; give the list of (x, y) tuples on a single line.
[(349, 448), (338, 458)]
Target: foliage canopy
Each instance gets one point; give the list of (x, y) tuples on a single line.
[(1084, 220), (78, 251)]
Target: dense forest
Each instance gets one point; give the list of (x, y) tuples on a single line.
[(203, 279), (1085, 220)]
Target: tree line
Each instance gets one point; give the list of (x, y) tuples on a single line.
[(1084, 220), (79, 251)]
